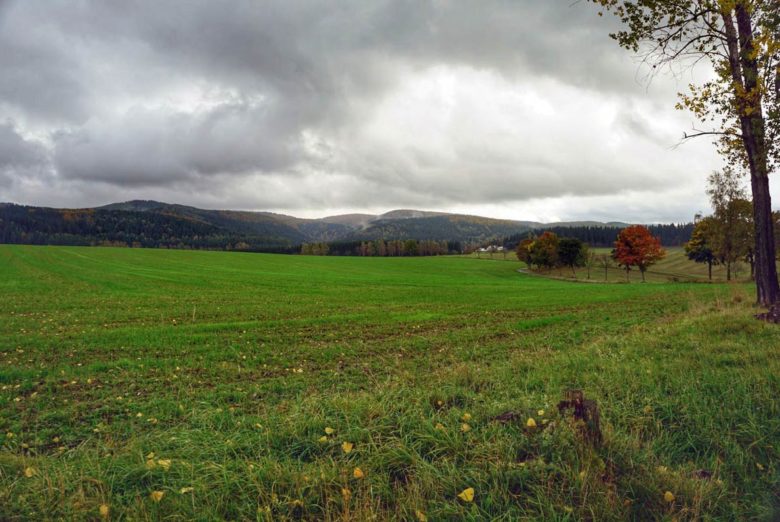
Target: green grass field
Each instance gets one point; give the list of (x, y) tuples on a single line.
[(207, 385)]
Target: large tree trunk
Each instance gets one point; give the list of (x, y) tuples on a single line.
[(709, 269), (752, 261), (744, 70), (765, 270)]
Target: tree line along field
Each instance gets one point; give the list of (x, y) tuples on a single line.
[(675, 267), (144, 384)]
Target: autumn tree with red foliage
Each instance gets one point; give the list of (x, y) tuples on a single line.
[(636, 246)]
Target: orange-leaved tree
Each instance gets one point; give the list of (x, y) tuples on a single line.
[(544, 250), (524, 251), (636, 246)]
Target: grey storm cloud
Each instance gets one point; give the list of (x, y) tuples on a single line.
[(16, 151), (289, 104), (158, 147), (21, 159)]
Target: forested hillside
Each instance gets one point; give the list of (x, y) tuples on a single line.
[(440, 228), (161, 225), (46, 226)]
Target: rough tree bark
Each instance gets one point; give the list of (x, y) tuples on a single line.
[(744, 66)]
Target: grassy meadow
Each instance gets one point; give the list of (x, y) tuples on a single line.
[(148, 384)]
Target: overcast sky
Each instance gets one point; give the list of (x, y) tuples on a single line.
[(521, 109)]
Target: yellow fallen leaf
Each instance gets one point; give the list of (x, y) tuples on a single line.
[(648, 409), (323, 439), (104, 510), (30, 472), (186, 490), (347, 447), (466, 417), (465, 428), (358, 473), (421, 516), (439, 426), (157, 496), (346, 493), (150, 455), (669, 496), (540, 413), (467, 495), (164, 464), (150, 464), (760, 466), (329, 430), (531, 423)]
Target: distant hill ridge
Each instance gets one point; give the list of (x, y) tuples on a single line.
[(155, 223), (357, 220)]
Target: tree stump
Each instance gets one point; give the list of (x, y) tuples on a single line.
[(585, 413)]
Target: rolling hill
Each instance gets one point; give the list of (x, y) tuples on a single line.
[(158, 224)]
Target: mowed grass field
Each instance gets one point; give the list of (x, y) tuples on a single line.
[(150, 384)]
